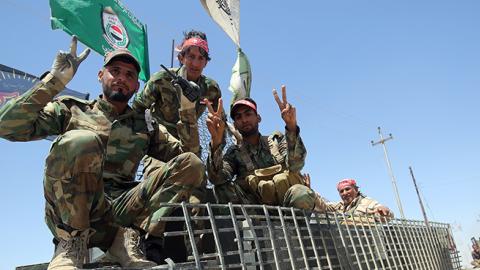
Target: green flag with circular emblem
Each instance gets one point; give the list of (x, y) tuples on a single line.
[(103, 25)]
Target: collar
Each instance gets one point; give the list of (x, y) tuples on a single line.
[(353, 203), (182, 72), (110, 111), (263, 144)]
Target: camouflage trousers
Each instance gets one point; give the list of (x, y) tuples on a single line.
[(75, 197), (150, 165), (198, 195), (297, 195)]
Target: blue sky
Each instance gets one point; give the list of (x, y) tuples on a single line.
[(410, 67)]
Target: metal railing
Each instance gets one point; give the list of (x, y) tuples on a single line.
[(267, 237)]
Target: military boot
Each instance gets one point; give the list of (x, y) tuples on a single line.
[(70, 251), (126, 250)]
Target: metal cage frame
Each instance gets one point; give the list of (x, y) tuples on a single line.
[(273, 237)]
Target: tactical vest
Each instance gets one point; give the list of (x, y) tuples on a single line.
[(270, 184), (278, 153)]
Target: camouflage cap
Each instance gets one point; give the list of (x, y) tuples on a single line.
[(123, 54)]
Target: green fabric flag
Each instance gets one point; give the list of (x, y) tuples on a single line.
[(103, 25), (241, 80)]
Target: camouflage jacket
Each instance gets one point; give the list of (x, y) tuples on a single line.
[(224, 167), (360, 206), (160, 96), (476, 255), (127, 137)]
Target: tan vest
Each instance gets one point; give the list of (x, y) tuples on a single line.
[(270, 184)]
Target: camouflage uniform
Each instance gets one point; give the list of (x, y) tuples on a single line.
[(360, 206), (241, 161), (476, 259), (92, 164), (160, 96)]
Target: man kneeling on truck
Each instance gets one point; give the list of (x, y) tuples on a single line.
[(266, 168), (91, 197)]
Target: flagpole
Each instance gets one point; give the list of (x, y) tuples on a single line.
[(173, 49)]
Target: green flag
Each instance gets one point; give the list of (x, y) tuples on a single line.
[(103, 25), (241, 80)]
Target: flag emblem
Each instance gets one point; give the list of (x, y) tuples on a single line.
[(113, 30), (4, 97)]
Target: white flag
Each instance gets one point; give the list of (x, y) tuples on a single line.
[(241, 79), (225, 13)]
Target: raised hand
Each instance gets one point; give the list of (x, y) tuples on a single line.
[(66, 64), (289, 113), (215, 122), (306, 179)]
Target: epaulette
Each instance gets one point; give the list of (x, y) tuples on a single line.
[(160, 75), (70, 101), (67, 98)]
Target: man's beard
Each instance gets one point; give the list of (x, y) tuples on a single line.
[(248, 133), (116, 95)]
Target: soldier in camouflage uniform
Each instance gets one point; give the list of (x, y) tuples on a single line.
[(355, 203), (266, 168), (476, 255), (160, 97), (91, 196)]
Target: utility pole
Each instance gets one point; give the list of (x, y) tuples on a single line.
[(419, 198), (394, 182)]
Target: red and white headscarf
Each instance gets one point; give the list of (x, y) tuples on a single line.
[(194, 41), (345, 183)]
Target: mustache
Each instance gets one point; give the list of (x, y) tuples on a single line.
[(121, 84)]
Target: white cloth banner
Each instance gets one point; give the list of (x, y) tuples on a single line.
[(225, 13)]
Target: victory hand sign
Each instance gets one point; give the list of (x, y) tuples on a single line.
[(215, 123), (289, 113), (66, 64)]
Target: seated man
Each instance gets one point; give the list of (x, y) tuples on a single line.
[(161, 98), (160, 93), (355, 203), (266, 169), (91, 197), (476, 256)]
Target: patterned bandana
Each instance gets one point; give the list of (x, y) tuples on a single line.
[(194, 41), (345, 183)]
